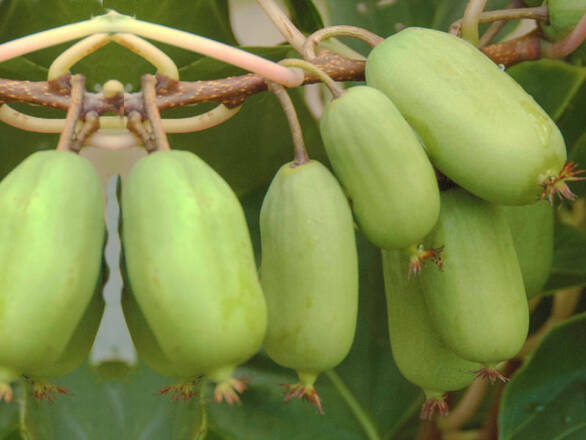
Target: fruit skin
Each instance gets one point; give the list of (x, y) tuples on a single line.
[(53, 220), (532, 230), (190, 264), (419, 352), (382, 166), (309, 269), (479, 127), (478, 303), (564, 15)]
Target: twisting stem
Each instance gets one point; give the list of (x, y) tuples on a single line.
[(361, 416), (466, 407), (570, 43), (73, 114), (79, 50), (338, 31), (470, 20), (215, 49), (89, 127), (336, 90), (283, 24), (30, 123), (202, 429), (152, 111), (539, 13), (164, 64), (301, 156), (497, 26), (564, 304), (117, 23), (206, 120)]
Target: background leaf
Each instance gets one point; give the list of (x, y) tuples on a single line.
[(545, 398)]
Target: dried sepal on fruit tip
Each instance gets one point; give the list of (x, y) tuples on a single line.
[(432, 406), (5, 392), (557, 184), (418, 255), (42, 389), (181, 390), (490, 373), (305, 392), (228, 390)]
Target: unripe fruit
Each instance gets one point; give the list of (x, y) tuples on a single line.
[(52, 228), (309, 272), (478, 302), (564, 15), (382, 166), (479, 127), (190, 266), (420, 354), (532, 229)]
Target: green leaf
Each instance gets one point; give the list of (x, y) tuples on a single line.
[(545, 398), (553, 84), (304, 15), (569, 259)]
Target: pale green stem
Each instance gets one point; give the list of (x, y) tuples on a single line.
[(215, 49), (279, 91), (22, 410), (73, 113), (79, 50), (152, 111), (202, 429), (470, 20), (361, 415), (336, 46), (314, 39), (564, 47), (539, 13), (30, 123), (283, 24), (117, 23), (209, 119), (164, 64), (336, 90)]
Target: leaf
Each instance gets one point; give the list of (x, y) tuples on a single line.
[(304, 15), (545, 398), (569, 259), (553, 84)]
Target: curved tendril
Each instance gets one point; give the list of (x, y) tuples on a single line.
[(75, 53), (314, 39)]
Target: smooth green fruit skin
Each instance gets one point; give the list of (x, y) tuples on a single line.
[(419, 352), (190, 264), (478, 303), (52, 229), (383, 167), (479, 127), (532, 229), (309, 269), (564, 15)]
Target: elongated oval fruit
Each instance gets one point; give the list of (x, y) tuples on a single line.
[(563, 16), (478, 302), (532, 229), (479, 127), (419, 352), (382, 166), (52, 232), (309, 273), (191, 268)]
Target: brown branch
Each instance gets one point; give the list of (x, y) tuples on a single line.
[(507, 53), (231, 91)]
